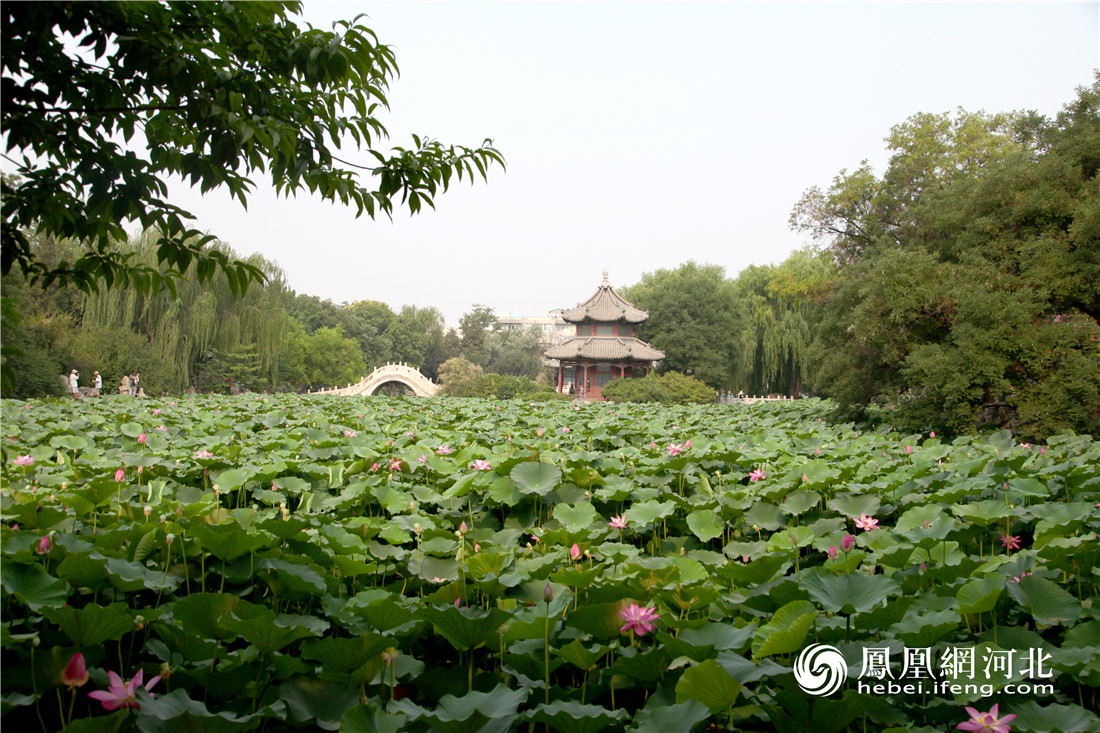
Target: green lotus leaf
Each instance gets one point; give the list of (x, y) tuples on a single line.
[(922, 630), (372, 719), (980, 596), (705, 524), (465, 628), (602, 620), (983, 513), (763, 515), (294, 576), (647, 512), (575, 517), (94, 624), (181, 713), (83, 569), (799, 502), (344, 656), (470, 713), (534, 477), (853, 505), (264, 629), (1047, 602), (579, 655), (574, 717), (201, 614), (316, 701), (785, 632), (226, 541), (762, 570), (70, 442), (647, 667), (848, 593), (130, 429), (1054, 718), (709, 684), (682, 717)]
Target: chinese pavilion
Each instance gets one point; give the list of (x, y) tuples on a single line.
[(604, 347)]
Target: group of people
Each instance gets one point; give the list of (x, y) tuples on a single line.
[(130, 384)]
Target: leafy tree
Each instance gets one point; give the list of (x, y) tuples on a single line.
[(670, 388), (474, 327), (514, 353), (103, 101), (323, 358), (458, 376), (973, 301), (694, 317), (369, 323)]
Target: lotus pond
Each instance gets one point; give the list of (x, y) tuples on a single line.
[(399, 564)]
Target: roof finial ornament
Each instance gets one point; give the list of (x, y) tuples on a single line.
[(605, 280)]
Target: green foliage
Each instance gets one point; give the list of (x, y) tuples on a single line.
[(475, 327), (213, 93), (966, 291), (513, 353), (694, 317), (280, 572), (323, 358), (671, 388)]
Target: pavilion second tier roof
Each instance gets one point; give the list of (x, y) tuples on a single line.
[(605, 305), (606, 348)]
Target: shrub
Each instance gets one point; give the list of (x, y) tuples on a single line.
[(671, 388)]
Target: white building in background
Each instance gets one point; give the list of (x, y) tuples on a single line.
[(552, 328)]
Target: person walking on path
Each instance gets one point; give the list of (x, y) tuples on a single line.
[(98, 385), (74, 384)]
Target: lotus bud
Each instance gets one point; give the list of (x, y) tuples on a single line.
[(548, 592), (119, 475), (847, 543), (832, 552), (148, 510), (574, 552), (462, 528)]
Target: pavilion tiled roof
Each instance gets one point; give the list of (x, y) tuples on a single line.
[(606, 306), (606, 348)]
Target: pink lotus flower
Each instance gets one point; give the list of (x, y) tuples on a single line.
[(444, 450), (44, 545), (847, 543), (24, 461), (1025, 446), (395, 464), (122, 695), (574, 552), (1009, 542), (1018, 578), (757, 475), (462, 528), (565, 430), (639, 619), (482, 465), (539, 432), (617, 522), (350, 434), (75, 673), (422, 459), (866, 523), (932, 434), (908, 449), (675, 449), (204, 454), (986, 722), (156, 411), (162, 429), (832, 552), (142, 438), (374, 467), (120, 474)]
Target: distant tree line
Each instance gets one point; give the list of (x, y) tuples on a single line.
[(958, 290), (204, 337)]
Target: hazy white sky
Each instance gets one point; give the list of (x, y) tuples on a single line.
[(639, 136)]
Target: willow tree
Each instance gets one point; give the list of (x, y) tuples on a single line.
[(191, 326), (779, 305)]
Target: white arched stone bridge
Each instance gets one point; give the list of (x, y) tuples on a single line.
[(401, 373)]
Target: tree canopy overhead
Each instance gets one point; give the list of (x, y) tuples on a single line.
[(103, 102)]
